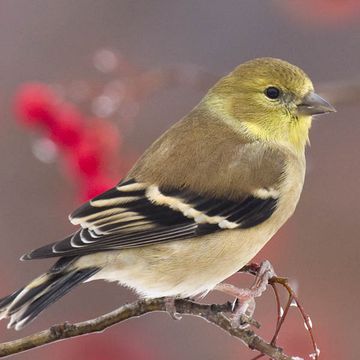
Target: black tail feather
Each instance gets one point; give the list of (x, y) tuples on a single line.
[(28, 296), (5, 301), (55, 291), (25, 304)]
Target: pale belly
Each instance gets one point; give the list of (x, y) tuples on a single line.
[(182, 268)]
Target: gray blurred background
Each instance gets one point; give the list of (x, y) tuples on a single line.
[(318, 249)]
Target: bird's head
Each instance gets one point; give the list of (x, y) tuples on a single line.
[(270, 100)]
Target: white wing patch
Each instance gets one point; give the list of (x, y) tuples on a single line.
[(114, 201), (85, 221), (266, 193), (153, 194)]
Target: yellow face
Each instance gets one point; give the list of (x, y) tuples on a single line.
[(269, 99)]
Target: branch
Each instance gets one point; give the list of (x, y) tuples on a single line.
[(212, 313)]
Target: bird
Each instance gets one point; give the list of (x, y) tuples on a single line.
[(200, 202)]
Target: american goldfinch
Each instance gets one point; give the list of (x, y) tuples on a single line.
[(201, 201)]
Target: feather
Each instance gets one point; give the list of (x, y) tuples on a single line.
[(152, 215)]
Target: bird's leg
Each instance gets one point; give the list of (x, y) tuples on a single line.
[(244, 303), (171, 308), (246, 297)]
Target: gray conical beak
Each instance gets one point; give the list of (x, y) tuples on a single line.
[(313, 104)]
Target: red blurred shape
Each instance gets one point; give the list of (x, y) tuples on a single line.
[(97, 151), (69, 127), (35, 104), (90, 147), (323, 11), (110, 346), (87, 159)]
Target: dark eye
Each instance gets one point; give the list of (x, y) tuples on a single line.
[(272, 92)]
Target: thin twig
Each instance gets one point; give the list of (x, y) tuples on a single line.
[(212, 313), (253, 269), (278, 309), (282, 319), (306, 318)]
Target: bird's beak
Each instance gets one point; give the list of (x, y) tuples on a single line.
[(313, 104)]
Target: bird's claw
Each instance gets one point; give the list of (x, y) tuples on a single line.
[(242, 313), (265, 273), (244, 305), (171, 308)]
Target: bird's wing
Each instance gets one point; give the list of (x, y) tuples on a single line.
[(135, 214)]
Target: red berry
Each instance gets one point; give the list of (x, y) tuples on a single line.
[(87, 159), (35, 104), (69, 127), (96, 153)]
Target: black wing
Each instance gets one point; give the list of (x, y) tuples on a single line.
[(135, 214)]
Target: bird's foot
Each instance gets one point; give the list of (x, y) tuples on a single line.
[(264, 274), (171, 308), (243, 311), (244, 305)]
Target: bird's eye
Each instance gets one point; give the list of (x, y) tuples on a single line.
[(272, 92)]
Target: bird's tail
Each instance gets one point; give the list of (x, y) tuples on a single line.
[(25, 304)]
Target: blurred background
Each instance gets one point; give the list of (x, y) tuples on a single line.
[(87, 85)]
